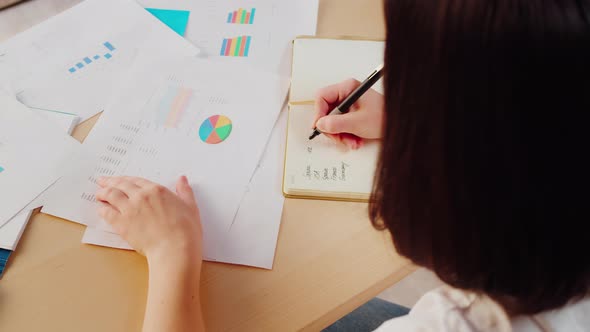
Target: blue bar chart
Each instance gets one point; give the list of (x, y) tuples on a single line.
[(88, 60)]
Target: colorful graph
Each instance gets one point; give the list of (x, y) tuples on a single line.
[(90, 59), (215, 129), (173, 105), (241, 16), (238, 46)]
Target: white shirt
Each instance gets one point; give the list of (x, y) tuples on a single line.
[(451, 310)]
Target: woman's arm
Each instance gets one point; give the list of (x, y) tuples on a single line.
[(173, 295), (166, 228)]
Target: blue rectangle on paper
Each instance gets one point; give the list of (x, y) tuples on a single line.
[(109, 46), (72, 70), (96, 57), (1, 169), (80, 65), (108, 55), (87, 60), (247, 45), (222, 53), (252, 15)]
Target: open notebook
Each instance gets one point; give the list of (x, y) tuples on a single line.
[(320, 168)]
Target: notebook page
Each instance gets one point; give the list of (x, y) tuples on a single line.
[(321, 62), (322, 165)]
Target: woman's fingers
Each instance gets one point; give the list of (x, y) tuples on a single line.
[(185, 192), (108, 212), (113, 196), (123, 183), (328, 97), (112, 181), (352, 123)]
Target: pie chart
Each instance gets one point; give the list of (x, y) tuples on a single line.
[(215, 129)]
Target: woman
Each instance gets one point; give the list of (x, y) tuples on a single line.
[(479, 179)]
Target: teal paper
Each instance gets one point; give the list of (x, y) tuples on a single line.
[(177, 20)]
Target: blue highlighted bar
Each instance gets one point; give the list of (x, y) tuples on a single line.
[(252, 15), (80, 65), (72, 70), (222, 53), (109, 46), (229, 17), (87, 60), (248, 42), (1, 169), (96, 57), (108, 55)]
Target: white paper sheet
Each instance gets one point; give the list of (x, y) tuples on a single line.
[(71, 62), (64, 121), (24, 140), (321, 62), (274, 26), (11, 232), (152, 130), (252, 238)]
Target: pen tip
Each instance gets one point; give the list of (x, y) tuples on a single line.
[(315, 133)]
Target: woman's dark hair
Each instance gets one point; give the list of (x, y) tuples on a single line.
[(481, 174)]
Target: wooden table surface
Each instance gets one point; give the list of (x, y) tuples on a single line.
[(329, 259)]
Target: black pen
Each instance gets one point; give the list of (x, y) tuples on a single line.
[(353, 97)]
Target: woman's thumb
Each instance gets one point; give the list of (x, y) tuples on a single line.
[(185, 192), (337, 124)]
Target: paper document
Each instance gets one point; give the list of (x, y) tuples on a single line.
[(253, 237), (258, 32), (64, 121), (11, 232), (191, 118), (71, 62), (25, 138)]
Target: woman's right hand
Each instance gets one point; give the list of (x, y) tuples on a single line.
[(363, 121)]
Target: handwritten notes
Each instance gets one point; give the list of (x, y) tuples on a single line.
[(323, 168)]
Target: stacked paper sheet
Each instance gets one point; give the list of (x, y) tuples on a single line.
[(205, 110)]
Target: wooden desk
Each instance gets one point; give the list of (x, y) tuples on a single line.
[(329, 259)]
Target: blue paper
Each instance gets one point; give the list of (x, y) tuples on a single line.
[(177, 20), (4, 255)]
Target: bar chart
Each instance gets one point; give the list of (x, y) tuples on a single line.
[(173, 105), (236, 47), (90, 59), (241, 16)]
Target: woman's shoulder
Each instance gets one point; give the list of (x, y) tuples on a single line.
[(572, 318), (448, 309)]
